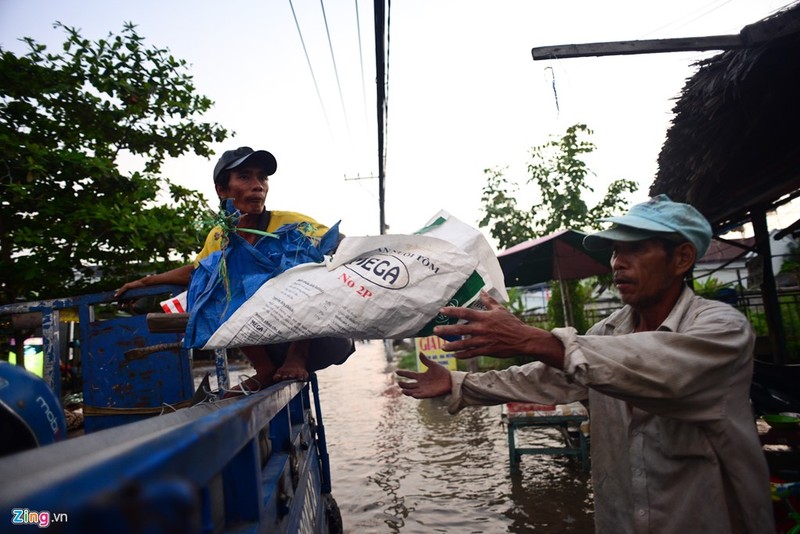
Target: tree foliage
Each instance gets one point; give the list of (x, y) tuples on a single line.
[(71, 124), (509, 224), (563, 180), (579, 295)]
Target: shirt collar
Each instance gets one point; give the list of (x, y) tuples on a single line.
[(624, 322), (672, 322)]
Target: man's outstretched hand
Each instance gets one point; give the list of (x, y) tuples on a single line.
[(495, 331), (434, 382)]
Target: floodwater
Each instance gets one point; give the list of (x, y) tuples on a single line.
[(405, 465)]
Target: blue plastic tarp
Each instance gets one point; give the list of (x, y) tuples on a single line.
[(244, 269)]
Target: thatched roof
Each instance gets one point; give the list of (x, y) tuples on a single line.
[(735, 140)]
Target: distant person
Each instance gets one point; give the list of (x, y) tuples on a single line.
[(243, 175), (674, 441)]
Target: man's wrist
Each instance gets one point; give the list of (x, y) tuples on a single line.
[(550, 351)]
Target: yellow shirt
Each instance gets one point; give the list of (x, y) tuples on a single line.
[(276, 220)]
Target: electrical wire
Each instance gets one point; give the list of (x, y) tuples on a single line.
[(381, 79), (335, 70), (361, 61), (701, 11), (311, 69)]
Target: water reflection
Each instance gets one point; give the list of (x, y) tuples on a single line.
[(389, 441), (402, 465)]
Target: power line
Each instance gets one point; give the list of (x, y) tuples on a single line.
[(335, 70), (361, 61), (310, 68), (701, 11), (381, 76)]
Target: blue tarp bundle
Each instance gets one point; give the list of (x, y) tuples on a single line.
[(246, 267)]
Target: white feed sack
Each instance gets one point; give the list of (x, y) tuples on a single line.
[(375, 287)]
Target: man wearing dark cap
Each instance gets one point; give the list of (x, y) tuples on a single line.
[(667, 377), (243, 175)]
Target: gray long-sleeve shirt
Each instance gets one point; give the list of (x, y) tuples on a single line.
[(674, 441)]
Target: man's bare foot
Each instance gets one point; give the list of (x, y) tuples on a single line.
[(294, 366), (291, 371)]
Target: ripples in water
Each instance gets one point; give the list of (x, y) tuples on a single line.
[(404, 465)]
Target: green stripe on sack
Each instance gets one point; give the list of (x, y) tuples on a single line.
[(467, 292), (438, 222)]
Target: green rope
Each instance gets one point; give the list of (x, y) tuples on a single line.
[(259, 232), (228, 223)]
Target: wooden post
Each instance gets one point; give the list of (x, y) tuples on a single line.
[(769, 293), (566, 300)]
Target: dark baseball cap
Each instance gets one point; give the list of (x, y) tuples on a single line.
[(232, 159)]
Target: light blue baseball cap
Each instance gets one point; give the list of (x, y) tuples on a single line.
[(658, 217)]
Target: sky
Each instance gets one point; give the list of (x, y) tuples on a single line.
[(464, 93)]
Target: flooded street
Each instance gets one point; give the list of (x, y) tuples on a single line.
[(403, 465)]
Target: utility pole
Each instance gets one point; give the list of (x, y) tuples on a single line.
[(381, 81)]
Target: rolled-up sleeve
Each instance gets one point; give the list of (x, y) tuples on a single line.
[(574, 360), (685, 375), (532, 382)]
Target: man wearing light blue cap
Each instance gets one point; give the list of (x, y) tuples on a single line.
[(667, 377), (658, 217)]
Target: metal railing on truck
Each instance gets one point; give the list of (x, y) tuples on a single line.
[(247, 464), (252, 464), (104, 340)]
